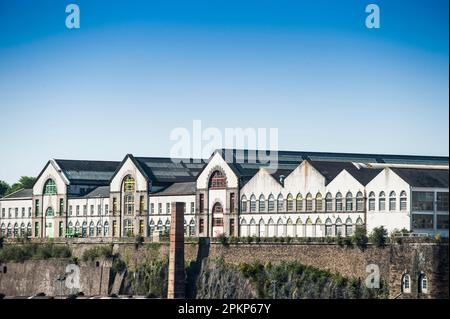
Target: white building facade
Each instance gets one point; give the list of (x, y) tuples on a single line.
[(308, 195)]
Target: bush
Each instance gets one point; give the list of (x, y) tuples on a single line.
[(340, 240), (360, 238), (2, 239), (234, 240), (20, 253), (138, 241), (257, 239), (249, 239), (378, 236), (118, 266), (223, 239), (96, 252)]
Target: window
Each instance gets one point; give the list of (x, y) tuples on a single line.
[(129, 204), (403, 201), (129, 184), (16, 212), (192, 207), (29, 212), (49, 212), (442, 202), (217, 180), (84, 210), (382, 202), (84, 230), (201, 226), (328, 227), (442, 221), (141, 227), (61, 206), (99, 210), (359, 202), (36, 229), (406, 283), (92, 210), (372, 201), (339, 202), (309, 203), (348, 227), (36, 206), (253, 204), (338, 227), (280, 203), (392, 201), (152, 208), (23, 212), (423, 284), (106, 229), (99, 229), (114, 205), (29, 229), (128, 227), (290, 203), (78, 210), (422, 201), (217, 222), (319, 202), (329, 202), (202, 203), (141, 204), (232, 202), (262, 203), (349, 202), (159, 208), (244, 203), (299, 203), (271, 203), (167, 208), (50, 187), (422, 221), (60, 229), (3, 213), (106, 209)]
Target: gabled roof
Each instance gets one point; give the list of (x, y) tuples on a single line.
[(24, 193), (101, 191), (88, 172), (187, 188), (436, 178), (331, 169)]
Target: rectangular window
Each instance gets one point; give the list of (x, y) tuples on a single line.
[(84, 210), (232, 227), (99, 209), (70, 210), (159, 208), (232, 202), (23, 212), (422, 221), (338, 230), (36, 229), (192, 207), (114, 228), (167, 208), (36, 204), (348, 230), (141, 204), (422, 201), (114, 205), (442, 222), (403, 203), (442, 202), (152, 208), (382, 204), (106, 209), (201, 225), (60, 229), (29, 214), (61, 206), (92, 210), (371, 204), (290, 205), (3, 213), (202, 202), (9, 213), (78, 210), (141, 227), (359, 204), (16, 212), (328, 230), (339, 205), (217, 222), (319, 203), (252, 205)]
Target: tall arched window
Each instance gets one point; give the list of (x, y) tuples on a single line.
[(99, 229), (359, 202), (338, 227), (309, 202), (328, 227), (349, 202), (244, 203), (371, 201), (106, 229), (406, 283), (29, 229), (423, 284), (129, 184), (70, 228), (3, 230), (290, 203), (84, 229), (253, 204), (22, 229), (319, 202), (91, 229), (382, 202), (16, 230), (280, 203), (348, 227), (217, 180), (299, 203), (329, 202), (50, 187), (403, 201), (339, 202), (49, 212), (392, 201), (271, 203), (262, 203)]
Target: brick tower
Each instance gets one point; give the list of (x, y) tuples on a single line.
[(176, 287)]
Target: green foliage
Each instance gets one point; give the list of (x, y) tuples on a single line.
[(378, 236), (2, 240), (96, 252), (4, 187), (138, 241), (150, 278), (24, 182), (360, 238), (20, 253), (223, 239), (340, 240), (118, 266)]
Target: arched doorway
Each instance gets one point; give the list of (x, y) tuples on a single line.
[(217, 220)]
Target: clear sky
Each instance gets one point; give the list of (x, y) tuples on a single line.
[(136, 70)]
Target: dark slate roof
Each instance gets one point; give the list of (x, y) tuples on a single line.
[(187, 188), (164, 170), (88, 172), (20, 194), (423, 177), (101, 191), (331, 169)]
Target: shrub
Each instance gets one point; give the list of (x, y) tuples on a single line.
[(118, 265), (257, 239), (223, 239), (234, 240), (138, 241), (96, 252), (249, 239), (340, 240), (360, 238), (2, 239), (378, 236)]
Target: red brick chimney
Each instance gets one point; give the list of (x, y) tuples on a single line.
[(177, 276)]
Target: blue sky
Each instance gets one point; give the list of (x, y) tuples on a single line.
[(136, 70)]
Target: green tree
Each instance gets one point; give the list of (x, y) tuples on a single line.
[(378, 236), (4, 187), (359, 237), (24, 182)]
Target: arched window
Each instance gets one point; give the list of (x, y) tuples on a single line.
[(319, 202), (280, 203), (99, 229), (70, 228), (84, 229), (253, 204), (22, 229), (50, 187), (359, 202), (3, 230), (329, 202), (290, 203), (217, 180), (9, 231), (371, 201), (406, 283), (49, 212), (359, 221), (129, 184), (299, 203), (262, 203), (403, 201), (349, 202), (338, 227), (244, 203), (91, 229), (271, 203), (339, 202), (328, 227), (77, 228), (423, 284), (392, 201), (348, 227), (16, 230), (309, 202), (29, 229), (382, 202)]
